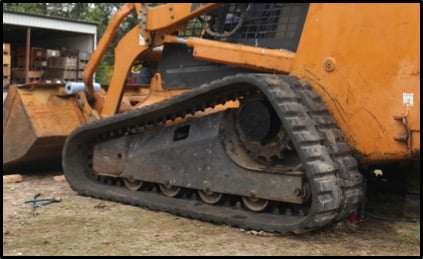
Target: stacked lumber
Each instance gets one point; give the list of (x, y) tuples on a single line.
[(6, 65)]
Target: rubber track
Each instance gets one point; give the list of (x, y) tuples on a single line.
[(352, 180), (333, 183)]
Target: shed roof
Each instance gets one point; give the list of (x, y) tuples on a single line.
[(48, 22)]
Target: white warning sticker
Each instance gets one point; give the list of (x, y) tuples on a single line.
[(407, 99), (141, 40)]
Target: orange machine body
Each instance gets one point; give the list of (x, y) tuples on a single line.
[(364, 61)]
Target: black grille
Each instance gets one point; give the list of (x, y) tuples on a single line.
[(273, 25)]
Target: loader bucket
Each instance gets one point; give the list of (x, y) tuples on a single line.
[(36, 121)]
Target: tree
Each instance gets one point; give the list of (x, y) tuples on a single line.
[(36, 8)]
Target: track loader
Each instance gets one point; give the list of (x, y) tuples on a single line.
[(256, 115)]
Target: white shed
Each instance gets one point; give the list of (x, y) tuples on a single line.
[(48, 31), (23, 32)]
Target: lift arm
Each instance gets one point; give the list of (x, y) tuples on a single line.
[(158, 20)]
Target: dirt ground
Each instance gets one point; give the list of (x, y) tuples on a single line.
[(85, 226)]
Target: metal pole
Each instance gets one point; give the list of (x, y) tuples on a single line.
[(27, 53)]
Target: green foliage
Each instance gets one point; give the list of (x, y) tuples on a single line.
[(35, 8)]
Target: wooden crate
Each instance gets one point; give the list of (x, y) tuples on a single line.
[(21, 51), (6, 82), (6, 70), (57, 73), (39, 64), (19, 73), (61, 62), (84, 56), (70, 74), (6, 59), (6, 48), (44, 54), (20, 62), (35, 51), (82, 65)]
